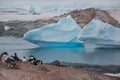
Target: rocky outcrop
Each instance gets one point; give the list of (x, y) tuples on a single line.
[(84, 16), (105, 17), (19, 28), (90, 67)]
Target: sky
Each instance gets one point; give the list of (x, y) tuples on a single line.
[(74, 3)]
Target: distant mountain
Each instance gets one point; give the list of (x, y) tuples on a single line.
[(60, 6)]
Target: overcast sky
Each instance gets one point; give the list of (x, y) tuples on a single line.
[(84, 3)]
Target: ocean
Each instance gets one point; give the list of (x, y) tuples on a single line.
[(49, 54)]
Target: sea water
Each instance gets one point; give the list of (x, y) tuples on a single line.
[(47, 55)]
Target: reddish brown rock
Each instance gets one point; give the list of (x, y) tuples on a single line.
[(83, 17), (48, 72)]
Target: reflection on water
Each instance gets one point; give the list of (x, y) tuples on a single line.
[(77, 55)]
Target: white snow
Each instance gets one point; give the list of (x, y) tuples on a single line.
[(6, 28), (110, 74)]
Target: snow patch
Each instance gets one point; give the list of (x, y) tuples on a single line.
[(6, 28), (110, 74)]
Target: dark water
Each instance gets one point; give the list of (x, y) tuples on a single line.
[(76, 55)]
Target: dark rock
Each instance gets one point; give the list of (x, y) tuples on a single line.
[(56, 63), (93, 68)]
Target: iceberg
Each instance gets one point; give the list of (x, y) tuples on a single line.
[(98, 34), (32, 10), (64, 33)]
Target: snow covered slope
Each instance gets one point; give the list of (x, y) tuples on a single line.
[(100, 34), (64, 32)]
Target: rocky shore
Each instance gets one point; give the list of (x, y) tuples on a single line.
[(89, 67), (26, 71), (19, 28)]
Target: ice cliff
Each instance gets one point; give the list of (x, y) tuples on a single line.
[(99, 34), (65, 32)]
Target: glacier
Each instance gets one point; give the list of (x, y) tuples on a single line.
[(64, 33), (98, 34)]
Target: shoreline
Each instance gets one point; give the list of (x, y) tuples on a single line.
[(89, 67), (84, 66), (25, 71)]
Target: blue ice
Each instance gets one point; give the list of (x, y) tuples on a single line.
[(100, 34), (63, 33)]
